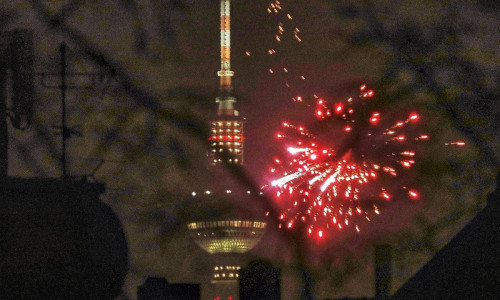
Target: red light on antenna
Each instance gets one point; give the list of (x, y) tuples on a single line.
[(413, 194), (347, 128)]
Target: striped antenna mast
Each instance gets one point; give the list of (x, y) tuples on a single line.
[(225, 100)]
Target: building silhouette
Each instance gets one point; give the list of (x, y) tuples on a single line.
[(468, 266), (58, 240), (260, 281), (155, 288)]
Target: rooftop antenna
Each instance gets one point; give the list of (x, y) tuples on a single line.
[(67, 132)]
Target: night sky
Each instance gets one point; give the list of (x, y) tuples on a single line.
[(441, 59)]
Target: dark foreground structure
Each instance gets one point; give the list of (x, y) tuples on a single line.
[(59, 241), (155, 288), (383, 271), (260, 281), (468, 267)]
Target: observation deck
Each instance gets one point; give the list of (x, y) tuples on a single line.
[(227, 236)]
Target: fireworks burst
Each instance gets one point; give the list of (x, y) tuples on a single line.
[(344, 170), (334, 179)]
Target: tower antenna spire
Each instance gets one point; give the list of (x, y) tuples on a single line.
[(225, 72), (225, 100)]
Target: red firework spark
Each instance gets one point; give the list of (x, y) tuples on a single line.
[(334, 182)]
